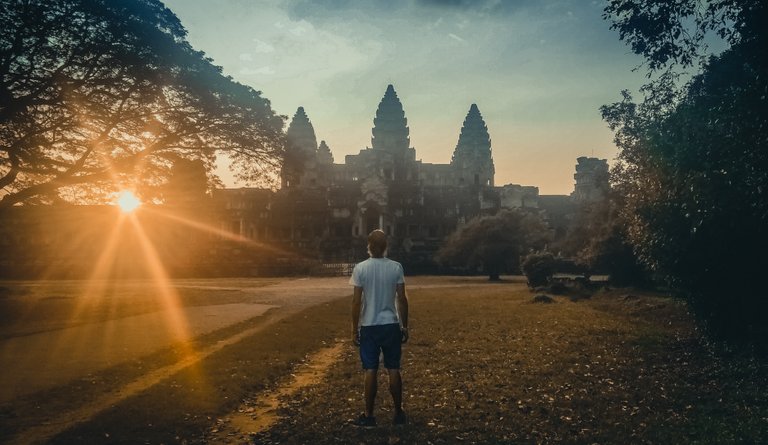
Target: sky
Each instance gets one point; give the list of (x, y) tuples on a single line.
[(538, 70)]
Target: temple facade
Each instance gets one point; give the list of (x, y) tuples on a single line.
[(322, 212), (326, 209)]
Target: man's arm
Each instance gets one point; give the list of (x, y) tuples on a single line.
[(357, 298), (402, 309)]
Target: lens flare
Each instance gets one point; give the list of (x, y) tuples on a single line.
[(127, 201)]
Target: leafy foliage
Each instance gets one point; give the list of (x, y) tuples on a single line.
[(103, 93), (539, 267), (597, 239), (187, 183), (673, 32), (693, 169), (495, 243)]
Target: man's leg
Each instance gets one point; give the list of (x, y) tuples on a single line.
[(396, 389), (370, 391), (392, 349)]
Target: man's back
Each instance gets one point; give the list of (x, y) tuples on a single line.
[(379, 278)]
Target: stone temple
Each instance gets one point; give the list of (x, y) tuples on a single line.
[(322, 212), (326, 209)]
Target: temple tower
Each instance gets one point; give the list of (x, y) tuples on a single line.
[(472, 161), (323, 167), (592, 179), (390, 127), (390, 152), (324, 155), (300, 150), (301, 134)]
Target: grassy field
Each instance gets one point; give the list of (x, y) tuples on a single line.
[(487, 365), (484, 365)]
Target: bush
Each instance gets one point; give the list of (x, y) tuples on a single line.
[(538, 268), (541, 298)]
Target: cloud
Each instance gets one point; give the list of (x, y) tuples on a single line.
[(329, 9), (298, 30), (264, 70), (262, 46), (485, 6), (246, 57), (457, 38), (449, 3)]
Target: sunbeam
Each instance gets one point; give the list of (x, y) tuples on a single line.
[(169, 297), (215, 231)]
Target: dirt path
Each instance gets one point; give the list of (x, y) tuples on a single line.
[(259, 413)]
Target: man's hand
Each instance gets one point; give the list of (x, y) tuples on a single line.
[(404, 335), (356, 338)]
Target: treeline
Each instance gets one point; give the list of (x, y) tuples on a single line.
[(692, 175)]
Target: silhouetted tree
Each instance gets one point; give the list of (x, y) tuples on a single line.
[(98, 93), (495, 243), (187, 183), (597, 240), (693, 161), (669, 34)]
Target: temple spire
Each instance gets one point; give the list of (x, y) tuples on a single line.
[(390, 127), (474, 139), (300, 150), (324, 155), (472, 157), (301, 134)]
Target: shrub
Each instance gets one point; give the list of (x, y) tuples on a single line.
[(539, 267), (543, 299)]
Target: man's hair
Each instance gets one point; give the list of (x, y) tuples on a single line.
[(377, 243)]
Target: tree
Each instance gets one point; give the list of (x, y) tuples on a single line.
[(597, 240), (100, 94), (673, 33), (187, 183), (693, 159), (495, 243)]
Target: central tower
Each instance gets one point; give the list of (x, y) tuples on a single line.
[(390, 143), (390, 127)]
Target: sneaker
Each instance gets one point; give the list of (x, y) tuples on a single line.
[(365, 421), (400, 418)]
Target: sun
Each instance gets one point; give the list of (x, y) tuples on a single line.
[(127, 201)]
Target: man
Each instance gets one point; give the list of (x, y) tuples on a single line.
[(379, 323)]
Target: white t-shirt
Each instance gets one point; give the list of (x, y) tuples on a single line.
[(379, 278)]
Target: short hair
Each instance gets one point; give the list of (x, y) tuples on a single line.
[(377, 243)]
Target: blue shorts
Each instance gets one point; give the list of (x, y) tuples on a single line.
[(383, 339)]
